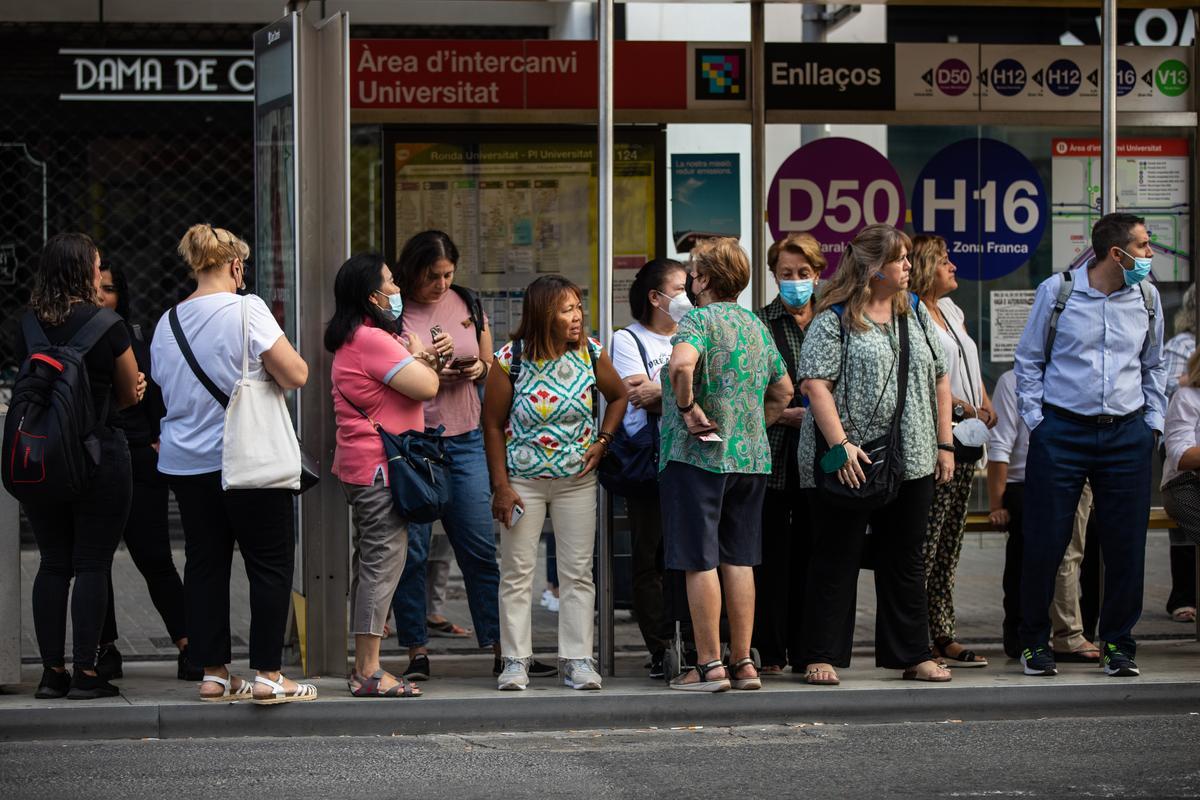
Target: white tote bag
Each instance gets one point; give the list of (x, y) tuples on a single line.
[(260, 449)]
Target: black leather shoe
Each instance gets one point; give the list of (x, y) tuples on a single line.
[(53, 684), (109, 664), (188, 671), (90, 687)]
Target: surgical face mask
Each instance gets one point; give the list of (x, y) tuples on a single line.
[(1141, 268), (396, 302), (679, 306), (796, 293)]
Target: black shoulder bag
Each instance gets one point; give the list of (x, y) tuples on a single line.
[(416, 464), (886, 471), (630, 468)]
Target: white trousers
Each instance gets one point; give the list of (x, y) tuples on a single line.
[(571, 503)]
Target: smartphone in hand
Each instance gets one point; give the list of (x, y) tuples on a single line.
[(514, 515), (711, 436), (463, 362)]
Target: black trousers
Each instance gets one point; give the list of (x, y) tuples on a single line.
[(837, 542), (1014, 552), (260, 522), (779, 580), (1183, 577), (147, 535), (645, 525), (77, 540)]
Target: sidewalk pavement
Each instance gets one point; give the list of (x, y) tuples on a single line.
[(977, 601), (157, 706)]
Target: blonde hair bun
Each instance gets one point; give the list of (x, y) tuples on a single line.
[(204, 247)]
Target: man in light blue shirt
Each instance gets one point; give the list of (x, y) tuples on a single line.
[(1090, 389)]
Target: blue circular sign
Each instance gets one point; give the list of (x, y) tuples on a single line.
[(1063, 77), (1008, 77), (1126, 77), (987, 201)]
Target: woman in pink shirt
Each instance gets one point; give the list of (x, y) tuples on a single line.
[(425, 272), (379, 378)]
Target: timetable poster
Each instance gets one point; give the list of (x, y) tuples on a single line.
[(517, 210)]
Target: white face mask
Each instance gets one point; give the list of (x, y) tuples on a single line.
[(679, 306)]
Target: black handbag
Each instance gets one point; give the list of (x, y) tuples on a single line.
[(416, 464), (630, 468), (885, 473)]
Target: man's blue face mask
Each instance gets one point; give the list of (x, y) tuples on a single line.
[(1141, 268)]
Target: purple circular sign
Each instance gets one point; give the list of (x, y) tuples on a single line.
[(833, 188), (952, 77)]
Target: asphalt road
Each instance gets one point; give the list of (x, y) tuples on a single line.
[(1157, 757)]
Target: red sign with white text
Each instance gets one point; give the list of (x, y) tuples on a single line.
[(1126, 148), (542, 74)]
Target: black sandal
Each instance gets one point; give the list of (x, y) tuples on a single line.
[(965, 658), (744, 683), (704, 684)]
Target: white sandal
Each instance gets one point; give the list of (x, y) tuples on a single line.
[(279, 694), (229, 695)]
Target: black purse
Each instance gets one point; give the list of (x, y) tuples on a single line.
[(416, 464), (630, 467), (885, 473)]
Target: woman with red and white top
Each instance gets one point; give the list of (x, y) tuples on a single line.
[(388, 378)]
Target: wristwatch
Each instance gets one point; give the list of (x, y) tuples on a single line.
[(959, 412)]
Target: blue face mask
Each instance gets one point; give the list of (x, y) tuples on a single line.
[(396, 302), (1141, 268), (796, 293)]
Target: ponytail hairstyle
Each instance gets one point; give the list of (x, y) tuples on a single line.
[(650, 278), (66, 275), (357, 279), (850, 286), (204, 247)]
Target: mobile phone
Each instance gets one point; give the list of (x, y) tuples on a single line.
[(463, 362), (516, 513), (711, 436), (435, 332)]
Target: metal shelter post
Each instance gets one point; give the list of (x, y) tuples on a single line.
[(604, 587), (323, 202), (758, 152), (1108, 107)]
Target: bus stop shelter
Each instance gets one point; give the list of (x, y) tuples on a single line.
[(310, 92)]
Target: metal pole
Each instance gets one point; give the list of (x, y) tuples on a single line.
[(604, 586), (758, 152), (1108, 107)]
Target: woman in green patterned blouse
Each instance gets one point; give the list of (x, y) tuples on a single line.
[(727, 382), (849, 371)]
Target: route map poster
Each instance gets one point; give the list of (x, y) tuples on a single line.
[(521, 209), (1153, 181)]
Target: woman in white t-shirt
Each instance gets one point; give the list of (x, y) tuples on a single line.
[(933, 279), (260, 521), (658, 301)]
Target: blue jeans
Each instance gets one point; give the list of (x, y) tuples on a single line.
[(468, 524), (1116, 459)]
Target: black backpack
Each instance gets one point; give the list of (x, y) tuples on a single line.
[(51, 449)]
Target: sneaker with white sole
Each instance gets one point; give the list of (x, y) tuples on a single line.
[(1038, 661), (580, 673), (513, 677), (1117, 663)]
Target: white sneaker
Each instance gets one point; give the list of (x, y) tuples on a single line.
[(579, 673), (515, 676), (552, 604)]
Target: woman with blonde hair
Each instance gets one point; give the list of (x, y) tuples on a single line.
[(933, 279), (876, 379), (197, 359)]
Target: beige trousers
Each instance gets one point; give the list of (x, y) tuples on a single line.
[(1065, 617), (571, 503)]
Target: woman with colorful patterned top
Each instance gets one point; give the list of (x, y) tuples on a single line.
[(796, 263), (849, 369), (539, 431), (725, 383)]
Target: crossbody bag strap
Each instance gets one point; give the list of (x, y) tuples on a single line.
[(245, 337), (190, 358), (356, 407), (902, 375)]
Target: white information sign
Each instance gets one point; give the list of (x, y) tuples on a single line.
[(937, 77), (1153, 181), (1010, 311)]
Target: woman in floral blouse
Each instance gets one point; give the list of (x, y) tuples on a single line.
[(539, 430), (849, 369)]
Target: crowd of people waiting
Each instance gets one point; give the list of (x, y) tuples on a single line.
[(839, 427)]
